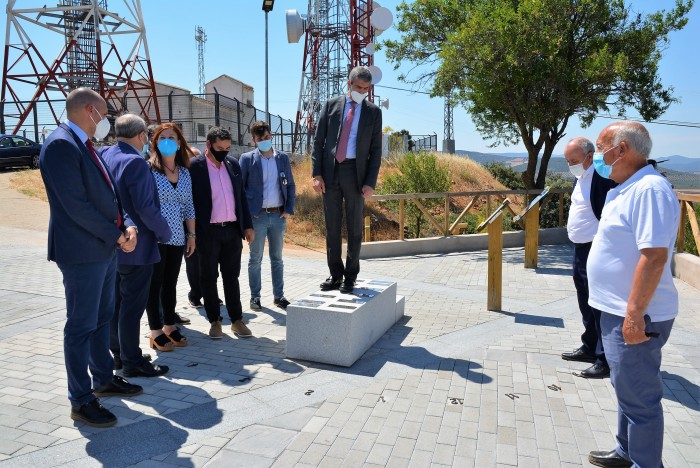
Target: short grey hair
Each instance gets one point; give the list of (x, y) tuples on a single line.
[(635, 135), (128, 126), (585, 144), (360, 73)]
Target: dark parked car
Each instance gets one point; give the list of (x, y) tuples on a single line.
[(18, 151)]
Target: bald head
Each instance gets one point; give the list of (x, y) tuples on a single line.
[(626, 147), (634, 134), (85, 108)]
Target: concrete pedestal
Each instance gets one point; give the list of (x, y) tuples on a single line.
[(335, 328)]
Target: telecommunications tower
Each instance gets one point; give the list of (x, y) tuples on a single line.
[(201, 37), (93, 47), (448, 143), (339, 35)]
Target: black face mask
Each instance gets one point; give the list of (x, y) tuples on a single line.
[(218, 155)]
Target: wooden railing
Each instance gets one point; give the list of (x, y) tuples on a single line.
[(688, 214), (447, 228)]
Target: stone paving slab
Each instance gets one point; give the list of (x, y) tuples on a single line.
[(451, 384)]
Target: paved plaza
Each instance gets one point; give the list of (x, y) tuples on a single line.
[(451, 384)]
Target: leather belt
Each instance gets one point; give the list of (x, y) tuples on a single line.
[(224, 224), (274, 209)]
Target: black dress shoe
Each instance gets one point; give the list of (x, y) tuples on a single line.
[(118, 387), (596, 371), (578, 355), (194, 302), (347, 286), (611, 458), (146, 370), (331, 283), (181, 320), (118, 361), (93, 414)]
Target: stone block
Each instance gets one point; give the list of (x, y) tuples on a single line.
[(335, 328)]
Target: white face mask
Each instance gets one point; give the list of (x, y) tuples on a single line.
[(358, 97), (101, 128), (577, 170)]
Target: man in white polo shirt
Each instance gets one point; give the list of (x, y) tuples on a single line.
[(630, 281)]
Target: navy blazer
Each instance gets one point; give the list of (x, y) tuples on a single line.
[(251, 168), (83, 207), (599, 190), (201, 195), (369, 141), (139, 198)]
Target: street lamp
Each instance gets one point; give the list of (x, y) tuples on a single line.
[(267, 7)]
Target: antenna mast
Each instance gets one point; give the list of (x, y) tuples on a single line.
[(201, 37)]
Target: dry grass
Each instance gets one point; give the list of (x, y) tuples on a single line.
[(29, 183), (307, 227)]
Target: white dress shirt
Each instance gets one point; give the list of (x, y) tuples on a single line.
[(582, 223)]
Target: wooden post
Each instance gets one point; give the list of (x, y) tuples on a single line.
[(680, 239), (532, 233), (367, 237), (401, 218), (561, 209), (495, 263), (447, 217)]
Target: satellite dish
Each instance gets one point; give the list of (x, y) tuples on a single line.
[(381, 18), (375, 5), (369, 48), (295, 26), (376, 74), (378, 32), (384, 103)]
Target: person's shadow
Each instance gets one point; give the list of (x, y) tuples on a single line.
[(146, 436), (681, 390)]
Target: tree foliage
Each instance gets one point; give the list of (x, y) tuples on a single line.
[(523, 68), (417, 173)]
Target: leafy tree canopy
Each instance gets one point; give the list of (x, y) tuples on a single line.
[(523, 68)]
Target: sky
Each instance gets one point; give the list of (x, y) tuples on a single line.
[(236, 46)]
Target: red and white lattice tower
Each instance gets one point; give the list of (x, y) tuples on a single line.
[(93, 48), (338, 36)]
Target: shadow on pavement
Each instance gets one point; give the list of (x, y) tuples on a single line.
[(690, 400)]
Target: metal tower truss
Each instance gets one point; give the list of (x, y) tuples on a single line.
[(361, 34), (97, 48), (201, 38)]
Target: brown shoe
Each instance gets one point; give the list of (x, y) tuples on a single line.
[(215, 330), (240, 330)]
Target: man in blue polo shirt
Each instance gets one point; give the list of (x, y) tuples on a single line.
[(630, 281)]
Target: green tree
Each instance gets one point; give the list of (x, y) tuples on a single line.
[(505, 175), (523, 68), (418, 173)]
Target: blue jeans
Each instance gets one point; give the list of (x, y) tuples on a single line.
[(272, 227), (89, 308), (635, 375), (130, 302)]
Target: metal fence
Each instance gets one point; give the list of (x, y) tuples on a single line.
[(425, 142), (194, 113)]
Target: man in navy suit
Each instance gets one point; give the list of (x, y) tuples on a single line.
[(587, 202), (269, 186), (139, 198), (222, 220), (346, 157), (86, 228)]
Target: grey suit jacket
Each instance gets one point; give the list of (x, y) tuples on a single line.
[(369, 141)]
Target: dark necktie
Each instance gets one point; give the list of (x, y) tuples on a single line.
[(90, 147), (342, 149)]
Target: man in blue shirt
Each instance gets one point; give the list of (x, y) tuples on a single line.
[(269, 186)]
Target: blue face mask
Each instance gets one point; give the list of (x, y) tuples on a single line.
[(167, 147), (603, 170), (145, 149), (265, 145)]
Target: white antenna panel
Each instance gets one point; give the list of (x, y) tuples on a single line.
[(369, 49), (376, 74), (381, 18), (295, 26)]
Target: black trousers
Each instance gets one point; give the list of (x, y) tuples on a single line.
[(221, 248), (592, 337), (192, 269), (163, 286), (343, 194)]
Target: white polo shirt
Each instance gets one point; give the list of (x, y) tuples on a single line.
[(582, 223), (641, 213)]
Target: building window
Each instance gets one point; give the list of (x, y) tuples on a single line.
[(201, 130)]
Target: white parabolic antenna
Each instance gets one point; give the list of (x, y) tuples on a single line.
[(376, 74), (369, 48), (381, 18), (384, 103), (295, 26)]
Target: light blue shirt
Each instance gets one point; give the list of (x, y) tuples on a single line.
[(352, 141), (272, 195)]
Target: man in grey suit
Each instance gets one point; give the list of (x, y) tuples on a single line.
[(346, 157)]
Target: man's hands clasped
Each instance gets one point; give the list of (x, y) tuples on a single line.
[(127, 241)]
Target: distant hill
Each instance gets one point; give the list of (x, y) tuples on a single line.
[(682, 171)]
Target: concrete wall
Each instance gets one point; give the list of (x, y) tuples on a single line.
[(465, 243), (686, 267)]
